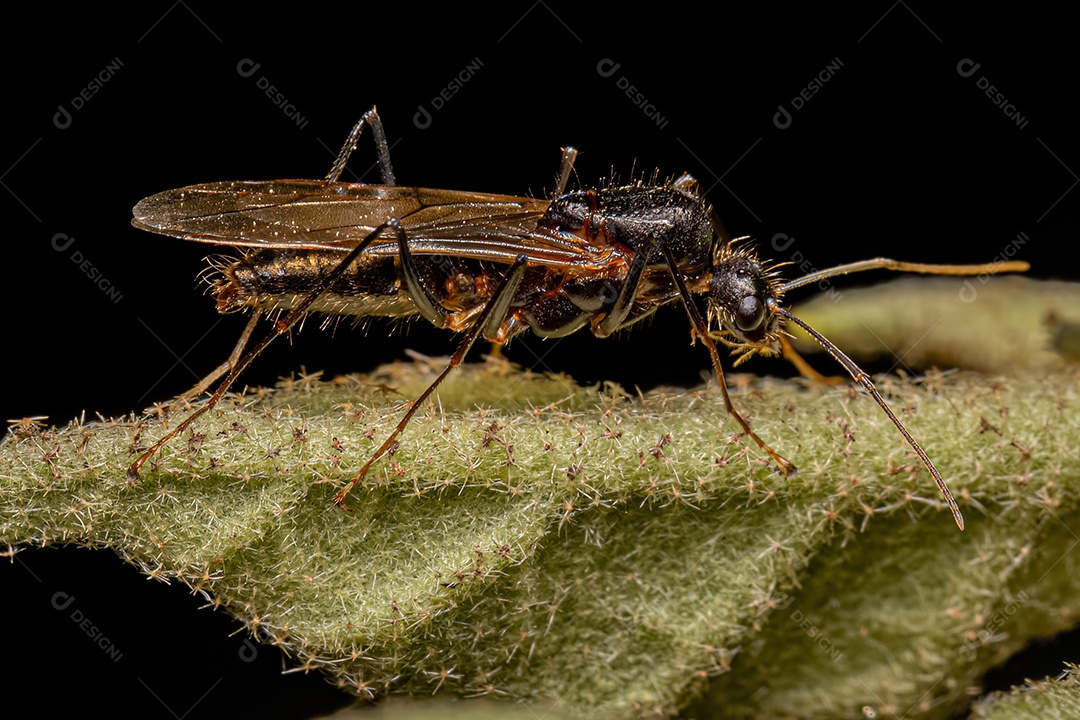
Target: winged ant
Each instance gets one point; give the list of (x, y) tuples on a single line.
[(494, 266)]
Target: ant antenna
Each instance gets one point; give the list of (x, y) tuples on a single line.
[(863, 379)]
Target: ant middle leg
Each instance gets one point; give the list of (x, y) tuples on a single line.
[(562, 180), (494, 314), (619, 308), (566, 167)]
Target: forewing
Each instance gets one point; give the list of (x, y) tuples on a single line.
[(318, 215)]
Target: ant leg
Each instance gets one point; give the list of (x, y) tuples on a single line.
[(566, 166), (424, 298), (562, 179), (498, 308), (701, 330), (282, 327), (371, 119), (620, 309), (226, 366), (493, 315), (804, 368)]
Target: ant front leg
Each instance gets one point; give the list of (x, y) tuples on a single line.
[(805, 369), (701, 330), (382, 150)]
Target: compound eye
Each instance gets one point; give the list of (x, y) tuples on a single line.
[(749, 314)]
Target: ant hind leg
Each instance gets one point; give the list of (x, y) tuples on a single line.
[(382, 150), (222, 369)]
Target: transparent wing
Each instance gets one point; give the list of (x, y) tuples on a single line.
[(320, 215)]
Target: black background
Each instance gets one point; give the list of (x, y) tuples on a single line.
[(897, 154)]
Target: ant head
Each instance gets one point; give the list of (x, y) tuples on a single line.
[(744, 296)]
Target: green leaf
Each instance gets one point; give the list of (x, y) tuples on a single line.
[(585, 551)]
